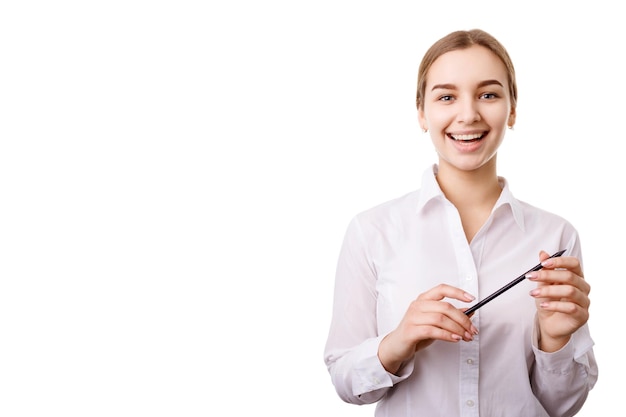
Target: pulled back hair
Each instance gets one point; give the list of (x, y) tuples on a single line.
[(463, 39)]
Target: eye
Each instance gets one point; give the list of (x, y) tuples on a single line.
[(488, 96), (446, 97)]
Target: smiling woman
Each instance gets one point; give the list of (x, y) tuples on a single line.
[(410, 267), (467, 113), (176, 177)]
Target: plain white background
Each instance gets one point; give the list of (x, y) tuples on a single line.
[(176, 179)]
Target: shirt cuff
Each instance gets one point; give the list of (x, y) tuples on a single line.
[(561, 361), (370, 375)]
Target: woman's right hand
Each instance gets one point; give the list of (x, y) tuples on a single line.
[(427, 319)]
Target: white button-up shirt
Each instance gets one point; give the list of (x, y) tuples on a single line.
[(400, 249)]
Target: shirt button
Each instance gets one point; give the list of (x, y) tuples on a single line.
[(470, 361), (470, 403)]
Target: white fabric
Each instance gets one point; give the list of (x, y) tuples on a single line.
[(397, 250)]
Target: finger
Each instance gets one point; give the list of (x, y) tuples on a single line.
[(559, 277), (470, 315), (429, 334), (438, 325), (566, 293), (442, 315), (543, 255), (566, 307), (562, 262), (455, 314), (442, 291)]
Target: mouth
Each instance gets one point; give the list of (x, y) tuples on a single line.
[(468, 138)]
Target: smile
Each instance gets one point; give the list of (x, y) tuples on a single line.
[(467, 138)]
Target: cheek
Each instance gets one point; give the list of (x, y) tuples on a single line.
[(438, 119), (499, 117)]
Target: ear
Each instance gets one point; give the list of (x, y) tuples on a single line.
[(422, 120), (511, 122)]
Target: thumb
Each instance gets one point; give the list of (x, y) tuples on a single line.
[(543, 255)]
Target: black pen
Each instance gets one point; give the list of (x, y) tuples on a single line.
[(509, 285)]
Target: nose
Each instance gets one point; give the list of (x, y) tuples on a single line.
[(468, 111)]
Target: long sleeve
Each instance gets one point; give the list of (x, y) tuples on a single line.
[(562, 380), (393, 252), (351, 353)]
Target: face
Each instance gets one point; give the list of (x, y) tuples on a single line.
[(467, 107)]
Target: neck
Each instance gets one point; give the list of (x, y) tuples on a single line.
[(467, 189)]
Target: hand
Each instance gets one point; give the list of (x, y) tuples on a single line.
[(427, 319), (562, 297)]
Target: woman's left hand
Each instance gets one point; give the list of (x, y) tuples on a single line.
[(562, 297)]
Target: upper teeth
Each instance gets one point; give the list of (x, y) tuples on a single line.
[(466, 137)]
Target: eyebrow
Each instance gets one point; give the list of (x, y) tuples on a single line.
[(480, 84)]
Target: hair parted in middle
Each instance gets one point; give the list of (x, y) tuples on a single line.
[(463, 39)]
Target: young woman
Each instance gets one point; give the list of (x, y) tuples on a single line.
[(409, 268)]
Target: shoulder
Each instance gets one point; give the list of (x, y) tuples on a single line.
[(545, 226), (537, 216), (386, 219), (397, 208), (533, 218)]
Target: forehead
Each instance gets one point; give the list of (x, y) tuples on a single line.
[(467, 66)]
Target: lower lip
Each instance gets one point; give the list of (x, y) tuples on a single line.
[(467, 147)]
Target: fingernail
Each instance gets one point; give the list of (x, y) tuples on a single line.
[(534, 292), (474, 329), (531, 275), (456, 337), (547, 262), (469, 336), (469, 296)]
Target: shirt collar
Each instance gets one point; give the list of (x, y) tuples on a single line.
[(430, 191)]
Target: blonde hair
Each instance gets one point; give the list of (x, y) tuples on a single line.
[(462, 39)]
